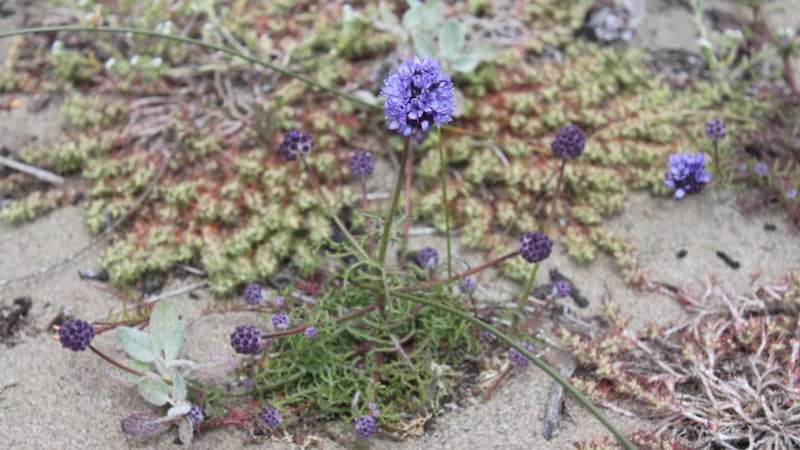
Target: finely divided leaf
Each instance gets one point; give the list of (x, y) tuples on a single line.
[(138, 344)]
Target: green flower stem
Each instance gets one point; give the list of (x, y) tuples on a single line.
[(186, 40), (443, 167), (387, 223), (523, 297), (407, 208), (717, 172), (315, 182), (552, 373), (301, 328)]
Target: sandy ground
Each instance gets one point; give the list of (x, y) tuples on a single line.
[(51, 398)]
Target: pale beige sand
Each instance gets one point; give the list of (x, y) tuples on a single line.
[(52, 398)]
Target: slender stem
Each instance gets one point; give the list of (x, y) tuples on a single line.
[(523, 297), (301, 328), (364, 207), (409, 180), (552, 373), (559, 180), (114, 362), (387, 225), (458, 276), (443, 167), (315, 182), (717, 173), (186, 40)]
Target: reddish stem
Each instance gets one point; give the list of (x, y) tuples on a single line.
[(114, 362), (459, 276)]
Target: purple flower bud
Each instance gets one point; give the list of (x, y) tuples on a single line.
[(253, 294), (76, 334), (311, 333), (280, 321), (686, 174), (296, 143), (517, 359), (562, 288), (366, 426), (762, 169), (246, 340), (467, 285), (140, 424), (535, 247), (195, 415), (418, 95), (361, 165), (428, 258), (569, 142), (271, 417), (716, 129), (791, 194)]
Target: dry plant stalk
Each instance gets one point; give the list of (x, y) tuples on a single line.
[(729, 378)]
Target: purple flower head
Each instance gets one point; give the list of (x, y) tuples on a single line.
[(246, 340), (418, 95), (271, 417), (687, 174), (311, 333), (762, 169), (569, 142), (716, 129), (253, 294), (373, 409), (280, 321), (76, 334), (535, 247), (428, 258), (562, 288), (366, 426), (140, 424), (517, 359), (294, 143), (467, 285), (361, 165), (195, 415), (791, 194)]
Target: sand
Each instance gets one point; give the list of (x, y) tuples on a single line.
[(51, 398)]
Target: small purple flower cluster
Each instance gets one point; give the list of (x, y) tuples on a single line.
[(271, 417), (361, 165), (569, 142), (296, 144), (519, 360), (428, 258), (467, 285), (246, 340), (562, 288), (253, 294), (195, 415), (366, 426), (535, 247), (311, 333), (418, 95), (76, 334), (716, 130), (280, 321), (687, 174)]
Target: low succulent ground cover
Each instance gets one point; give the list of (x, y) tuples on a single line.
[(517, 134)]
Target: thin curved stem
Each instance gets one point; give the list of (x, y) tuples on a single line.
[(443, 167), (314, 181), (458, 276), (551, 218), (186, 40), (552, 373), (387, 224), (523, 297)]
